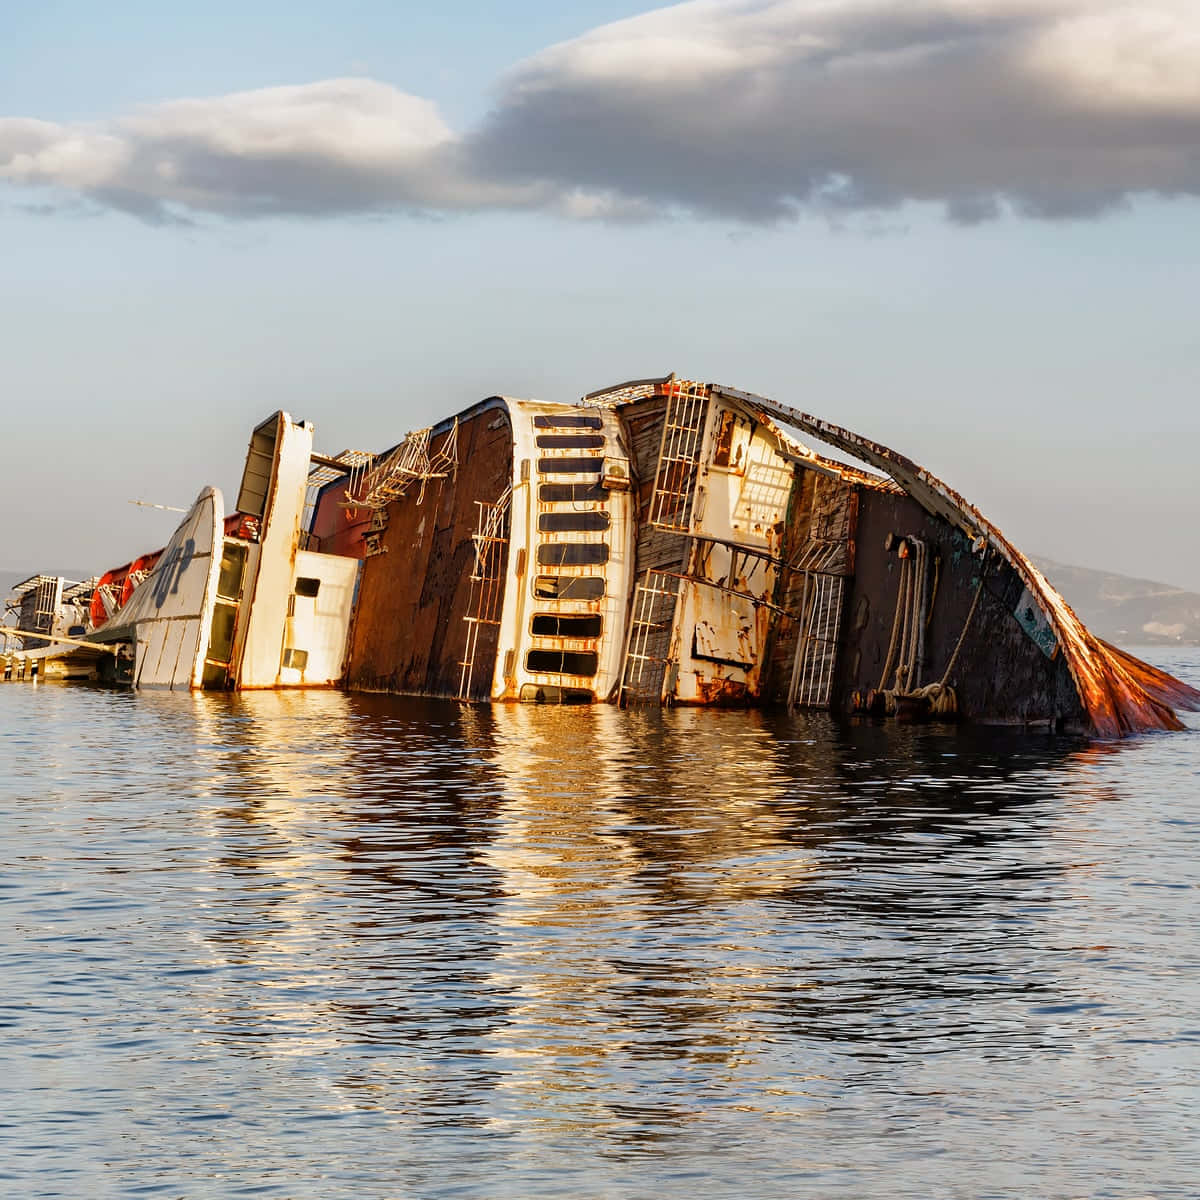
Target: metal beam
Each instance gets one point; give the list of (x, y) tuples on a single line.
[(107, 647)]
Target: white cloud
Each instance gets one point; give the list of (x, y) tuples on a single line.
[(745, 109), (336, 146), (42, 152)]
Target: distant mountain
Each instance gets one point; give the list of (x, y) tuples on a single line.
[(1129, 612)]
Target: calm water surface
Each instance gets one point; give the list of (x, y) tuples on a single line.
[(325, 945)]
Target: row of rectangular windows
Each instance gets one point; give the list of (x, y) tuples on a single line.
[(572, 554)]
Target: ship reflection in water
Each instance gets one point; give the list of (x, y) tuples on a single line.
[(322, 944)]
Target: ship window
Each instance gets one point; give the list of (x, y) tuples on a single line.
[(567, 422), (567, 625), (568, 587), (549, 693), (570, 441), (233, 570), (215, 677), (572, 522), (562, 662), (572, 554), (220, 639), (559, 493), (570, 466), (296, 659), (307, 587)]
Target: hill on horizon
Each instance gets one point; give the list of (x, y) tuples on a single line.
[(1127, 611)]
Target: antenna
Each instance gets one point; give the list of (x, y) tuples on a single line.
[(164, 507)]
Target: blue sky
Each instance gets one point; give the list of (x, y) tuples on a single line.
[(1047, 365)]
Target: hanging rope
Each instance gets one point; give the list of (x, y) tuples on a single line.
[(906, 646), (901, 678), (939, 697), (889, 661)]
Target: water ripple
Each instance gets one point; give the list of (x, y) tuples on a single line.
[(324, 945)]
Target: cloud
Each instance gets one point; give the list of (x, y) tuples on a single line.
[(334, 147), (754, 110), (750, 110)]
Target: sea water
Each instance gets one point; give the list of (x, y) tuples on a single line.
[(325, 945)]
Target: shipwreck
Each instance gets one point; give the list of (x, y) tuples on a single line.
[(659, 542)]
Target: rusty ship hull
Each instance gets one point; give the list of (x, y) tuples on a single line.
[(660, 542), (672, 542)]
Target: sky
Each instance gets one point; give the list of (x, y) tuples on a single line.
[(966, 228)]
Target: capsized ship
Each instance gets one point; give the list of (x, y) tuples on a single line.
[(670, 542), (660, 542)]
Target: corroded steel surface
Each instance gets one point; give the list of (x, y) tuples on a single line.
[(1121, 694), (1000, 673), (408, 634)]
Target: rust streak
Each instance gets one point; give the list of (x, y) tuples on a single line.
[(1121, 694)]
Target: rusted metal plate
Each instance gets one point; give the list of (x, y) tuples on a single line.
[(1111, 689), (408, 634), (999, 674), (726, 629)]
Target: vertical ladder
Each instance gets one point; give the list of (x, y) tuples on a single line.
[(487, 586), (45, 603), (648, 642), (679, 456), (811, 684)]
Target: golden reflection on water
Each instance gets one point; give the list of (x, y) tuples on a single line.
[(261, 777), (606, 817), (586, 821), (628, 880), (594, 938)]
